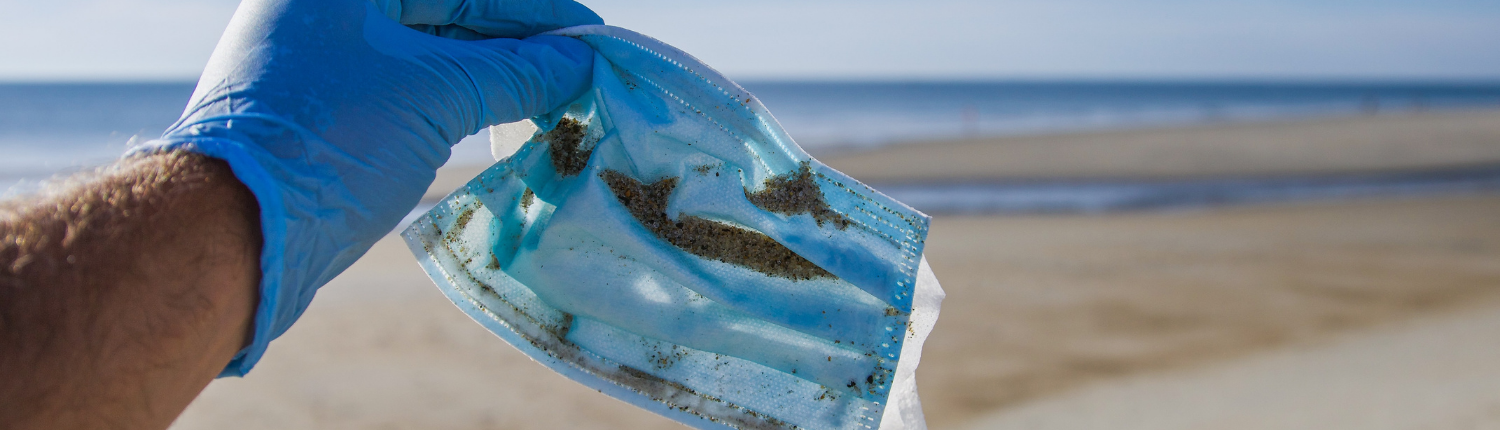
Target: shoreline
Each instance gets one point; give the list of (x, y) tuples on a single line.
[(1310, 146), (1060, 196)]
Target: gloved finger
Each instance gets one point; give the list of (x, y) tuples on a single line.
[(493, 18), (519, 79)]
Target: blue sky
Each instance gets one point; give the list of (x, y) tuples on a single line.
[(877, 39)]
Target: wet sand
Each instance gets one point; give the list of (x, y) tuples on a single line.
[(1039, 308), (1342, 145)]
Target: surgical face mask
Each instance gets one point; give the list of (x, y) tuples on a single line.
[(663, 241)]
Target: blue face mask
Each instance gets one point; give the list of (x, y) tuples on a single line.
[(664, 241)]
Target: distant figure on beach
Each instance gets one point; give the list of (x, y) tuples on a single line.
[(315, 128)]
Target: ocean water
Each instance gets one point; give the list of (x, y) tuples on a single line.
[(824, 116), (51, 128), (47, 129)]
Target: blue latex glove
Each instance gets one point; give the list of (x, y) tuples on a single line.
[(337, 115)]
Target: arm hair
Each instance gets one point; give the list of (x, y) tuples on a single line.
[(124, 292)]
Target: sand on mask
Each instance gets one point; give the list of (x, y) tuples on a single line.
[(565, 141), (663, 241), (709, 239)]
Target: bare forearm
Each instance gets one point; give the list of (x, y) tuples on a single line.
[(124, 293)]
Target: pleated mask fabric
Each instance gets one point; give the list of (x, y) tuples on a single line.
[(664, 241)]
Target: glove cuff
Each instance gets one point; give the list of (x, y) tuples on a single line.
[(233, 139)]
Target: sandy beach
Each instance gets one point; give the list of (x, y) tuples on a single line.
[(1053, 303), (1432, 372), (1046, 315)]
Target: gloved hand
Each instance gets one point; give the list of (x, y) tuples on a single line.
[(336, 116)]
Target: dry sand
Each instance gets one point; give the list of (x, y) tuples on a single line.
[(1439, 372), (381, 348), (1039, 307)]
